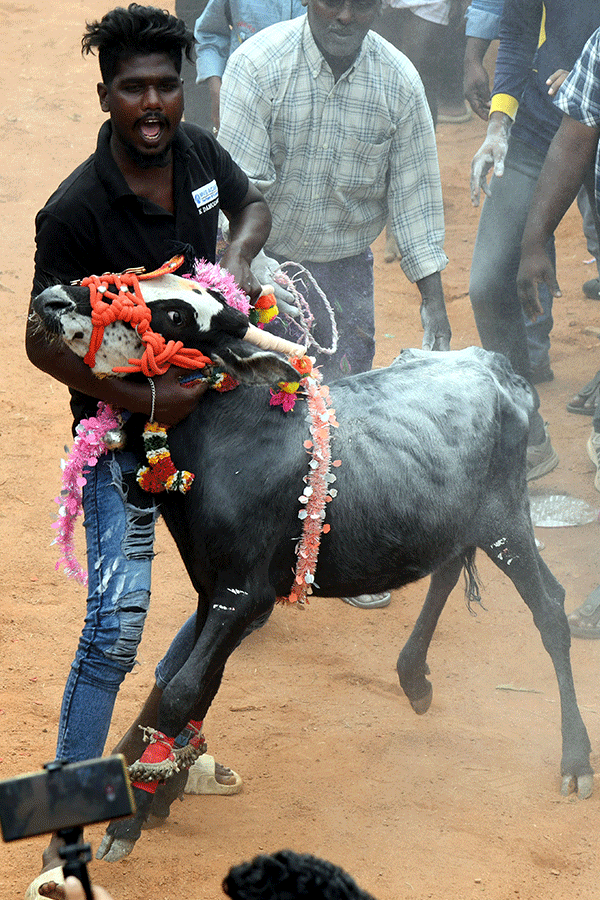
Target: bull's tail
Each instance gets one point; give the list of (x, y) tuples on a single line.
[(472, 592)]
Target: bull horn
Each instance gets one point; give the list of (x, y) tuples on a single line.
[(267, 341)]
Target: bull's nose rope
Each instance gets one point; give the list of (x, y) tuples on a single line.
[(126, 304)]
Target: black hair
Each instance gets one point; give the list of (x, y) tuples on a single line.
[(287, 876), (123, 33)]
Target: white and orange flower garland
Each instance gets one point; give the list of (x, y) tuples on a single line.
[(318, 491)]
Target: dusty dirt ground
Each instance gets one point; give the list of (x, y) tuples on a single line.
[(461, 803)]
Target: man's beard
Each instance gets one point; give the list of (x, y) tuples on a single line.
[(149, 160)]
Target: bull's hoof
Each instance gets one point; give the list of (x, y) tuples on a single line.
[(422, 704), (120, 837), (114, 849), (583, 785)]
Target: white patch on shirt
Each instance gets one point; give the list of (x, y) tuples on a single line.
[(206, 197)]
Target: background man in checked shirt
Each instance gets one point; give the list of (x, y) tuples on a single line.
[(331, 122)]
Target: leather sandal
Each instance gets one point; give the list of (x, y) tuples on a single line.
[(584, 622), (585, 401)]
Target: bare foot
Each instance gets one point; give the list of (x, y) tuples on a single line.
[(50, 856), (50, 861), (52, 890), (223, 774)]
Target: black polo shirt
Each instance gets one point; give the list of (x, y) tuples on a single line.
[(94, 223)]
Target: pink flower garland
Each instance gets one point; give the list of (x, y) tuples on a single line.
[(212, 275), (87, 449)]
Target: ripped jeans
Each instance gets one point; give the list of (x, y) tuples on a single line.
[(120, 542)]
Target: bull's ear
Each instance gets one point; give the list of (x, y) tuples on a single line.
[(249, 365)]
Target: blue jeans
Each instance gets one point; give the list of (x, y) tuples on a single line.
[(120, 541), (493, 285)]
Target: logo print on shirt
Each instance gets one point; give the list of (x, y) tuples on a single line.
[(206, 197)]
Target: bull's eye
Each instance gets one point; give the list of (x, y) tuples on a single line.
[(175, 317)]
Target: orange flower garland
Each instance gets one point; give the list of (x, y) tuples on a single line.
[(160, 474), (286, 395)]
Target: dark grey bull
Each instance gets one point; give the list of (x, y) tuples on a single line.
[(433, 466)]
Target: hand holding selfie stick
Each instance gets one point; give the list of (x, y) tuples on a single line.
[(62, 799)]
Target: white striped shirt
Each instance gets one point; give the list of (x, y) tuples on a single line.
[(333, 157)]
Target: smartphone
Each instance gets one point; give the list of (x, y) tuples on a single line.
[(65, 795)]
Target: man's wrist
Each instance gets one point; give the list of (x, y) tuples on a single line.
[(499, 122), (475, 50)]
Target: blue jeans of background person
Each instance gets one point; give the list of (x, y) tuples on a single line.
[(493, 285), (120, 541)]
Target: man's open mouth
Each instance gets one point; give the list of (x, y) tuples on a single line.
[(151, 130)]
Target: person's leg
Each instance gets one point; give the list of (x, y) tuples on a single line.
[(587, 399), (451, 53), (348, 286), (420, 40), (496, 256), (119, 531), (493, 287), (119, 526)]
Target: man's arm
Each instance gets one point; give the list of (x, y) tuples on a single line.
[(416, 212), (249, 227), (519, 36), (434, 318), (570, 155), (213, 38), (213, 34), (476, 82), (245, 118), (173, 401), (483, 26)]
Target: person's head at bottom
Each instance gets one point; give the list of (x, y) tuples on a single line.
[(287, 876), (283, 876)]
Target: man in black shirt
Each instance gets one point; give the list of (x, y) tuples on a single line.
[(153, 183)]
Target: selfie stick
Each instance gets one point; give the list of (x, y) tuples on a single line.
[(76, 854)]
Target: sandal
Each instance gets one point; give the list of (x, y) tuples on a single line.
[(584, 403), (54, 876), (584, 622)]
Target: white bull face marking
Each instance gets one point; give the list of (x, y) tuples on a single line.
[(61, 310)]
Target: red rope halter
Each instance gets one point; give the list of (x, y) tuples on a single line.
[(127, 304)]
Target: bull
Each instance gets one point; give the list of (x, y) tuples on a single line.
[(433, 466)]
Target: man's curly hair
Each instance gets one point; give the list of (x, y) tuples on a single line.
[(137, 30), (291, 876)]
